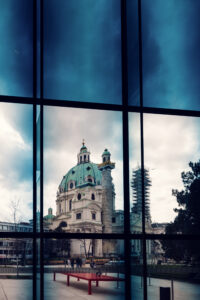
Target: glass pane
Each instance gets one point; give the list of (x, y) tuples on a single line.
[(16, 268), (80, 195), (137, 270), (174, 269), (75, 262), (135, 173), (82, 48), (16, 167), (16, 54), (171, 59), (133, 52), (171, 153)]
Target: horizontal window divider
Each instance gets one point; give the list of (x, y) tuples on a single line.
[(169, 111), (170, 236), (113, 236), (9, 234), (99, 106)]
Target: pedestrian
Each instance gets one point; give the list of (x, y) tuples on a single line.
[(80, 262), (72, 263)]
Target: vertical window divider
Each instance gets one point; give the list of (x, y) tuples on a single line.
[(142, 146), (41, 147), (124, 62), (34, 252)]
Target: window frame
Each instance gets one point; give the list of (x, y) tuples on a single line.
[(38, 100)]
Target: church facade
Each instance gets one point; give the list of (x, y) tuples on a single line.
[(85, 203)]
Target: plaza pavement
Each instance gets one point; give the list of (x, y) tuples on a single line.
[(21, 289), (17, 289)]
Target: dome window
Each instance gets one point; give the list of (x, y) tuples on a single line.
[(71, 185), (88, 168), (93, 197), (73, 172), (79, 196), (89, 178)]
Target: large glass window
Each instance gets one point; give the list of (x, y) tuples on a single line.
[(89, 188)]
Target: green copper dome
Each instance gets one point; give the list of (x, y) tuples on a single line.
[(83, 149), (106, 152), (83, 174)]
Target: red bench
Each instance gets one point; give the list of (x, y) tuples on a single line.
[(89, 277)]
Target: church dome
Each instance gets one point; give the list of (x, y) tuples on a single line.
[(81, 175), (106, 152)]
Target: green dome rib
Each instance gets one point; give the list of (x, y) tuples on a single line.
[(79, 174)]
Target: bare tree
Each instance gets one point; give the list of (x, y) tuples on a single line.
[(14, 207)]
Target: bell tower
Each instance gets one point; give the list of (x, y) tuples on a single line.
[(107, 196), (84, 155)]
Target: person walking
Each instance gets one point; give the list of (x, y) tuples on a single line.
[(72, 263)]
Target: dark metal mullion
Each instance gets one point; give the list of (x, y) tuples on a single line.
[(34, 146), (41, 147), (100, 106), (142, 147), (124, 62)]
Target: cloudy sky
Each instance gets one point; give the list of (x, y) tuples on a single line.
[(82, 50), (170, 143), (171, 61), (83, 62), (16, 48), (16, 161), (64, 130)]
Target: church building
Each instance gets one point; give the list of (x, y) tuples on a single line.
[(86, 203)]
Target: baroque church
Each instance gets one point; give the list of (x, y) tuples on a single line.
[(86, 203)]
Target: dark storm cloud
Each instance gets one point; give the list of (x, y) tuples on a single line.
[(83, 50), (171, 60), (16, 47)]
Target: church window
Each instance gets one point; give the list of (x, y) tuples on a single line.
[(84, 157), (79, 196), (104, 159), (89, 179), (71, 185), (93, 216), (78, 216), (93, 196), (70, 205), (80, 158), (113, 220)]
